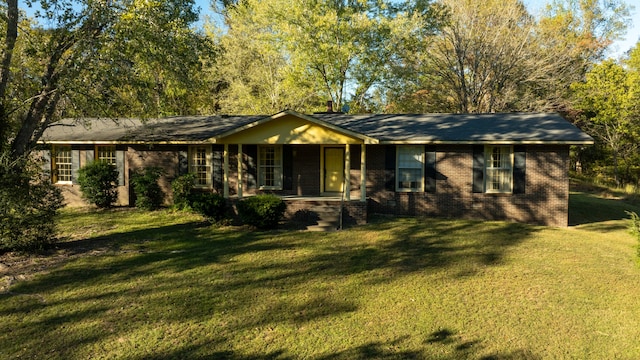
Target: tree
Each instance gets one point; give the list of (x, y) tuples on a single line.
[(85, 58), (256, 76), (93, 58), (494, 56), (609, 99), (295, 54)]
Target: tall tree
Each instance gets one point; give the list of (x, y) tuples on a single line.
[(610, 101), (254, 71), (494, 56), (337, 50), (85, 56)]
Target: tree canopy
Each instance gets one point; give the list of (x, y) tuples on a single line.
[(95, 58)]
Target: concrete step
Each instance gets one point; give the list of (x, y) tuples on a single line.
[(328, 218), (326, 228)]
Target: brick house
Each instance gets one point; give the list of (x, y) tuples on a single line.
[(511, 166)]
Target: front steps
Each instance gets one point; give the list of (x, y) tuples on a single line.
[(324, 218)]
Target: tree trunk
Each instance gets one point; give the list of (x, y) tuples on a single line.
[(9, 45)]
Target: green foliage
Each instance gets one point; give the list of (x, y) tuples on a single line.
[(262, 211), (149, 195), (635, 227), (182, 188), (212, 206), (28, 206), (608, 99), (99, 183)]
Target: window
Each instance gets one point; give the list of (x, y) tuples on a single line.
[(498, 169), (410, 170), (62, 173), (200, 164), (106, 154), (270, 167)]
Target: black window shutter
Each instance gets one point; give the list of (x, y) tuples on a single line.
[(120, 166), (430, 169), (183, 162), (287, 167), (478, 168), (251, 157), (46, 164), (390, 167), (519, 169), (75, 165), (217, 155), (89, 156)]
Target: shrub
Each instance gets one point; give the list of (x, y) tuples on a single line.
[(635, 227), (28, 207), (262, 211), (182, 188), (99, 183), (213, 206), (149, 195)]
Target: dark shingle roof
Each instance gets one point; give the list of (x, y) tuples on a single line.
[(413, 128), (456, 128), (170, 129)]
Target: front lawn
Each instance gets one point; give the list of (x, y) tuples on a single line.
[(163, 285)]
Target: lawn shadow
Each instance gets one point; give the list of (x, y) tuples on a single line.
[(460, 348), (460, 247), (190, 273), (591, 208)]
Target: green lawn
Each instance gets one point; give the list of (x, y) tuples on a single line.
[(163, 285)]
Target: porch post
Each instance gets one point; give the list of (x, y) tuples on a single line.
[(239, 171), (347, 173), (225, 176), (363, 169)]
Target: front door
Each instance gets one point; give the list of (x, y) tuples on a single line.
[(333, 169)]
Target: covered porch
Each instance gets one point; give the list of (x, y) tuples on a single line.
[(313, 165)]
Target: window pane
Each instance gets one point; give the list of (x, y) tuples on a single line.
[(63, 163), (409, 171), (270, 166), (498, 171), (199, 166), (107, 154)]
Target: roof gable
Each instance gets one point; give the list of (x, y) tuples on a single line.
[(290, 127)]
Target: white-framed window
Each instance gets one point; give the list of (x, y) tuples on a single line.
[(106, 153), (410, 168), (498, 169), (61, 164), (270, 167), (200, 164)]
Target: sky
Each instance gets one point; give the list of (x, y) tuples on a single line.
[(535, 6)]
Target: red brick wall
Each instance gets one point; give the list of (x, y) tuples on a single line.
[(165, 157), (545, 200)]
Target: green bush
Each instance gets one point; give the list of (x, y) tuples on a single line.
[(182, 188), (149, 195), (635, 227), (99, 183), (210, 205), (262, 211), (28, 207)]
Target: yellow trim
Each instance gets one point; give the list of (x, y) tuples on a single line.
[(291, 128)]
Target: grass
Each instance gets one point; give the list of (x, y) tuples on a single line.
[(163, 285)]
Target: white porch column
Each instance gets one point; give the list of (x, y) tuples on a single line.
[(239, 171), (363, 176), (225, 176), (347, 173)]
